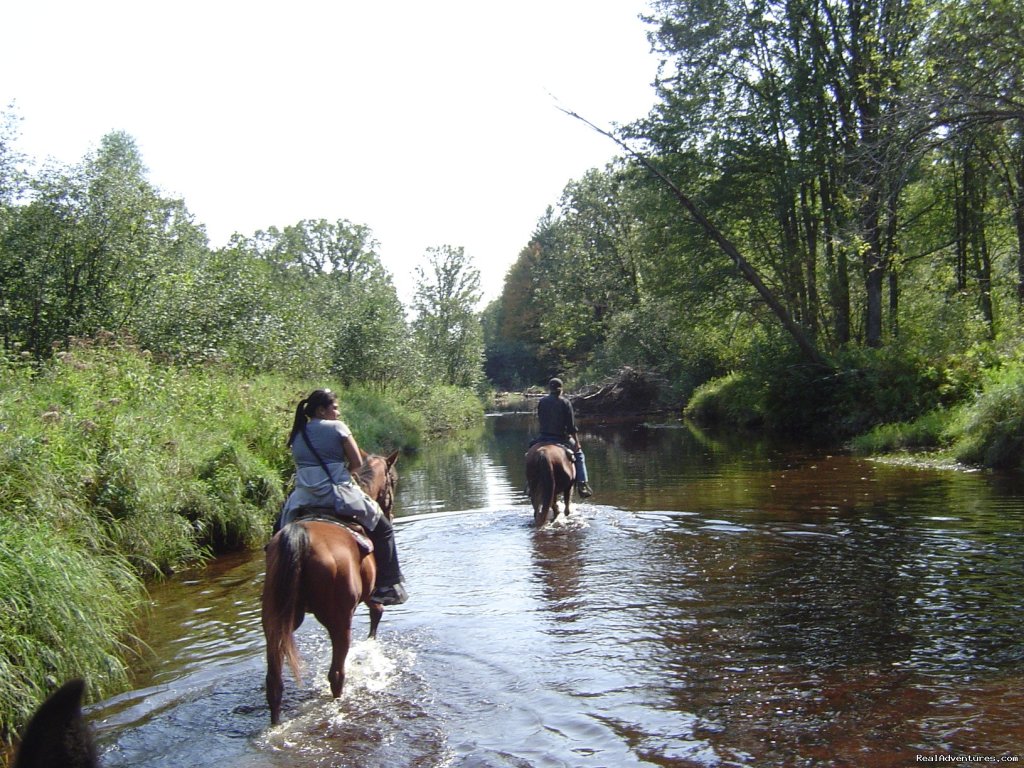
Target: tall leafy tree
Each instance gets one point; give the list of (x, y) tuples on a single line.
[(84, 251), (330, 272), (801, 105), (518, 351), (9, 160), (976, 48), (446, 322)]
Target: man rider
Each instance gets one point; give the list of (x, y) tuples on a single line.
[(558, 424)]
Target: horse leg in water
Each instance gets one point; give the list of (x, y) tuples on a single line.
[(564, 489), (339, 627), (567, 496), (541, 479), (336, 579), (535, 472)]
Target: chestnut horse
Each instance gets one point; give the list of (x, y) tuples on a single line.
[(549, 472), (317, 566)]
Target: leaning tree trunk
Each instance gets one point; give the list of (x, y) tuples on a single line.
[(750, 274)]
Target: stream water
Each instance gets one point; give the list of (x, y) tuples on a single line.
[(716, 603)]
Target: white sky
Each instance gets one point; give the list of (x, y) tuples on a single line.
[(432, 123)]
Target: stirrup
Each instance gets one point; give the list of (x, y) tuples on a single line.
[(393, 594), (584, 490)]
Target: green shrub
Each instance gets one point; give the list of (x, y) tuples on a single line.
[(867, 387), (991, 429), (929, 432), (734, 399), (380, 422), (448, 409)]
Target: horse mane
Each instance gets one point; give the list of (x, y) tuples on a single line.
[(365, 473), (365, 476)]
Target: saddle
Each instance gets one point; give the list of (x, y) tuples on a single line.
[(554, 441), (327, 515)]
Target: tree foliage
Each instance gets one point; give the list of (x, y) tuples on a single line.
[(84, 250), (446, 323), (825, 175), (95, 246)]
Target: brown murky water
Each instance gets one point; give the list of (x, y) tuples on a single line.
[(712, 605)]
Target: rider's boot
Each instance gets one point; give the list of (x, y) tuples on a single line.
[(389, 574)]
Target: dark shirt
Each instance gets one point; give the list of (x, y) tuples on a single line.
[(556, 417)]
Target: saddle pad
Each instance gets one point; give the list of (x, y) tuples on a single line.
[(326, 516)]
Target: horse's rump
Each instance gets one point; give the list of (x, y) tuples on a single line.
[(549, 471), (550, 459)]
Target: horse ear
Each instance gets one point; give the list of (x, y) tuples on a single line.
[(58, 736), (392, 458)]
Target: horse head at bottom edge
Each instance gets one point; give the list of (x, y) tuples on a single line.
[(58, 735)]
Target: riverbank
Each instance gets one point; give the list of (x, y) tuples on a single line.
[(981, 426), (116, 469)]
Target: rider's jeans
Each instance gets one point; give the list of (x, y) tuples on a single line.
[(581, 466), (383, 538)]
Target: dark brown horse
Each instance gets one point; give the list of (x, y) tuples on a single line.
[(58, 736), (316, 566), (549, 472)]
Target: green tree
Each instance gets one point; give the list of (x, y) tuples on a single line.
[(9, 161), (325, 282), (84, 251), (976, 89), (446, 323), (803, 109)]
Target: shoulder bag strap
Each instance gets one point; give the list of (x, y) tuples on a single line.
[(323, 464)]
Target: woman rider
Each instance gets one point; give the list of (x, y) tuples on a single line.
[(325, 453)]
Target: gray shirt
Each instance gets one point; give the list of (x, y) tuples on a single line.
[(312, 487), (327, 437)]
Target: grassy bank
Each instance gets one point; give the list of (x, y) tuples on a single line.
[(987, 430), (883, 405), (116, 469)]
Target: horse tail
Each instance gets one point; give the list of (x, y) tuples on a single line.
[(283, 582)]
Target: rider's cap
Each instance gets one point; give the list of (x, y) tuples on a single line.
[(555, 384)]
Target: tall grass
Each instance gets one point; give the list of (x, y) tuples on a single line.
[(990, 431), (931, 432), (65, 611), (166, 463), (115, 469), (986, 430)]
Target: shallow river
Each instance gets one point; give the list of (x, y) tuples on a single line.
[(711, 605)]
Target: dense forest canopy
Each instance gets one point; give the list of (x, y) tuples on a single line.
[(826, 203), (854, 168), (97, 247)]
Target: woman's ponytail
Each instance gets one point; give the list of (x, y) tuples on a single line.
[(299, 421), (308, 408)]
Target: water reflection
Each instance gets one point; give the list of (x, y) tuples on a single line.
[(559, 567)]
